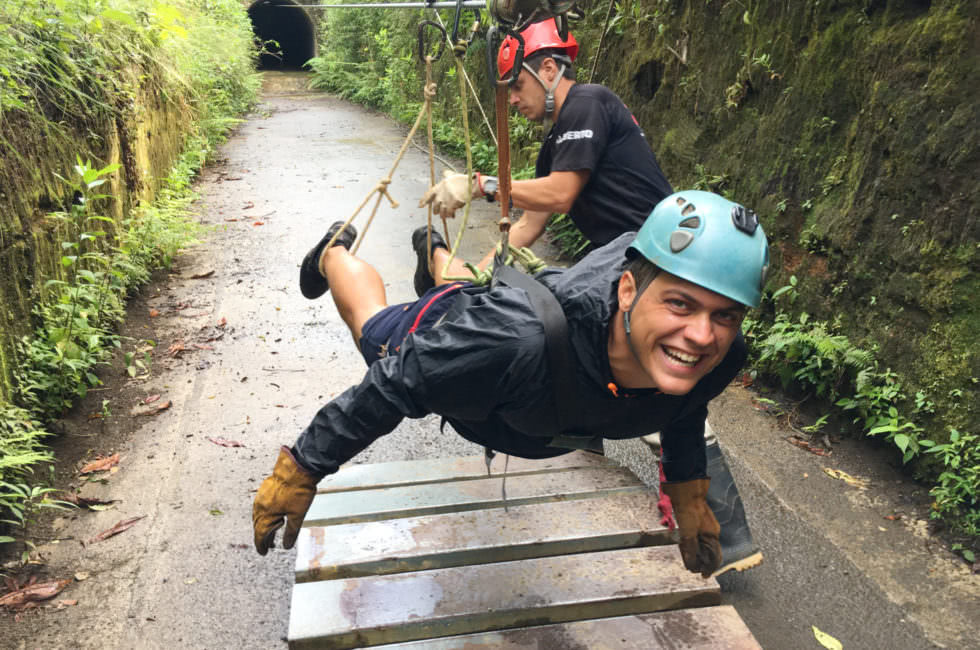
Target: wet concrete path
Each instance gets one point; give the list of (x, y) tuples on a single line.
[(242, 356)]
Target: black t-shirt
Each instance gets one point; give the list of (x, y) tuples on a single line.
[(595, 131)]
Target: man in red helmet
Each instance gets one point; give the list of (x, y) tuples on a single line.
[(594, 164)]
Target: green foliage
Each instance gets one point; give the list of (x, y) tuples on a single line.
[(809, 355), (67, 69), (79, 310), (957, 493)]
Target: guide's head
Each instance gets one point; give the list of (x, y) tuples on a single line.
[(543, 48), (696, 265)]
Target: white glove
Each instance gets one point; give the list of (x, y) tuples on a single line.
[(449, 195)]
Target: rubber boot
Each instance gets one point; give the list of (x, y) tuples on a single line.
[(738, 550)]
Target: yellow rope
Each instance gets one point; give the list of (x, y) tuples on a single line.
[(429, 92)]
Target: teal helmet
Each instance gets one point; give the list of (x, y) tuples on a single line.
[(708, 240)]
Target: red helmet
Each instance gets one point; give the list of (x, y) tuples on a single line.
[(537, 36)]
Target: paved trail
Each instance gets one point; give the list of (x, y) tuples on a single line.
[(259, 360)]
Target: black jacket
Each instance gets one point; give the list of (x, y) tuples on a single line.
[(486, 372)]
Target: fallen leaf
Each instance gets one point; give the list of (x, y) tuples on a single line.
[(154, 313), (176, 348), (203, 346), (215, 512), (803, 444), (101, 464), (151, 410), (258, 223), (33, 593), (150, 399), (884, 530), (222, 322), (94, 416), (190, 581), (202, 274), (91, 503), (230, 219), (224, 442), (66, 603), (893, 517), (120, 527), (861, 483), (826, 640), (81, 575)]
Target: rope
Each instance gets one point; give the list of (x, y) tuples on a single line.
[(428, 92), (486, 120), (478, 277), (602, 36)]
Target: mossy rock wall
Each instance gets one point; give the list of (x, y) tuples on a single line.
[(144, 135), (853, 128)]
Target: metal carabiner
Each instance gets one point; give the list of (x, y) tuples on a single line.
[(441, 45), (492, 34), (459, 12)]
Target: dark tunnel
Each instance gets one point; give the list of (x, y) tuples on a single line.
[(290, 26)]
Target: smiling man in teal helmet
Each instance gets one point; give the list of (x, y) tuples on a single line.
[(652, 334)]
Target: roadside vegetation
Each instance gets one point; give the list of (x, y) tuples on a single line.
[(370, 57), (70, 62)]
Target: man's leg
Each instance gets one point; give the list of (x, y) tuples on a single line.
[(356, 287), (429, 268), (738, 549)]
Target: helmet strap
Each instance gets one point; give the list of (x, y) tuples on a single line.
[(549, 93), (628, 314)]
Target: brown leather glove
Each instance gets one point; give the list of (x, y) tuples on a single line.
[(699, 529), (284, 496)]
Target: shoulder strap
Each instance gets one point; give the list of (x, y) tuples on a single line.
[(548, 309)]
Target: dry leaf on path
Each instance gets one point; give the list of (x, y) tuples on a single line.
[(176, 348), (202, 274), (91, 503), (222, 322), (826, 640), (861, 483), (154, 313), (224, 442), (123, 525), (33, 593), (803, 444), (152, 409), (101, 464)]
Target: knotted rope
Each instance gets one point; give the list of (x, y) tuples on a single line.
[(381, 189)]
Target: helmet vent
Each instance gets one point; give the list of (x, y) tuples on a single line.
[(745, 220), (691, 222), (688, 209), (679, 240)]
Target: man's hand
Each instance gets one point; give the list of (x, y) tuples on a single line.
[(699, 529), (286, 495), (450, 194)]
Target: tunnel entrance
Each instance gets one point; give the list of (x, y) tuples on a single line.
[(290, 26)]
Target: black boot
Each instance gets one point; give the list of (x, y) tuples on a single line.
[(312, 284), (738, 551), (423, 277)]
